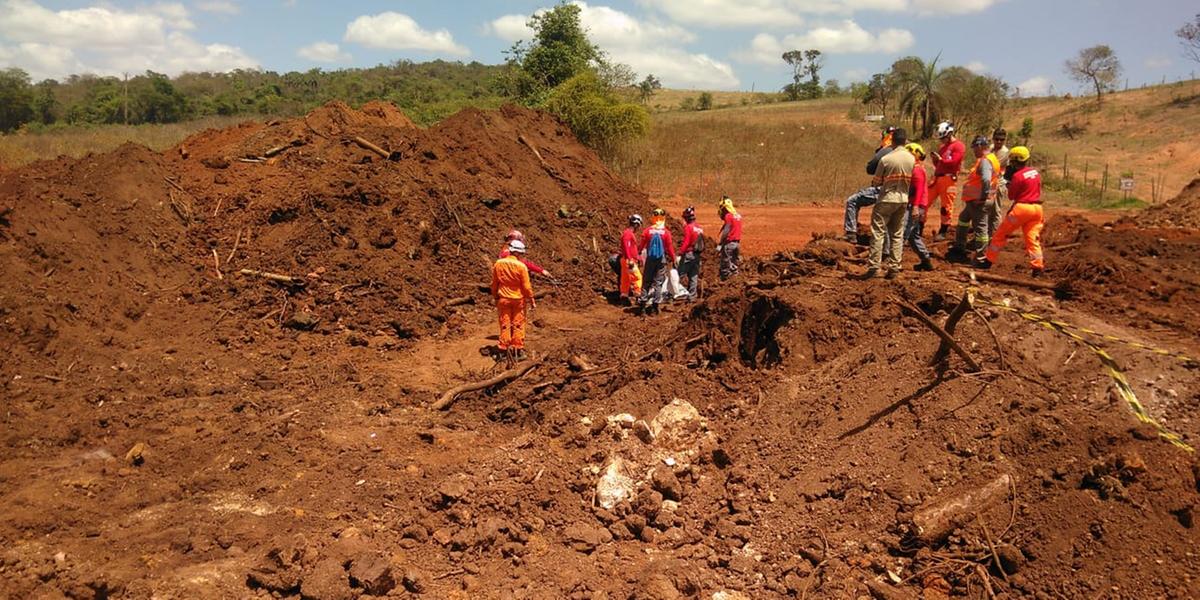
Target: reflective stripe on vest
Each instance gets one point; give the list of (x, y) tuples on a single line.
[(973, 188)]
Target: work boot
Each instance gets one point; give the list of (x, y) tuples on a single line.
[(956, 255), (941, 234), (892, 274), (924, 265), (983, 263), (1037, 272), (871, 273), (851, 237)]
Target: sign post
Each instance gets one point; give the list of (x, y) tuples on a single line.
[(1126, 187)]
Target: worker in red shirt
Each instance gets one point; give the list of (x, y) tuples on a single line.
[(690, 251), (659, 251), (1025, 191), (918, 206), (513, 294), (947, 162), (729, 245), (631, 272), (533, 267)]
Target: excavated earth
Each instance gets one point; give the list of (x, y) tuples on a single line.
[(174, 428)]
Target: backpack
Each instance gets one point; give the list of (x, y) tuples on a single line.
[(654, 250), (698, 245)]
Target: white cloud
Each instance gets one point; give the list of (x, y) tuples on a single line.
[(845, 38), (977, 67), (646, 46), (765, 13), (324, 52), (1156, 63), (853, 75), (224, 7), (107, 41), (1035, 86), (395, 31), (951, 7)]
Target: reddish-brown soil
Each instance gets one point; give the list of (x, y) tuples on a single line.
[(169, 433)]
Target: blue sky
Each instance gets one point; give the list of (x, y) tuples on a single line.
[(697, 44)]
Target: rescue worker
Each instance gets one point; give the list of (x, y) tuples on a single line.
[(659, 251), (690, 251), (513, 294), (918, 206), (631, 273), (999, 137), (870, 194), (947, 161), (979, 194), (533, 267), (893, 178), (1025, 189), (730, 243)]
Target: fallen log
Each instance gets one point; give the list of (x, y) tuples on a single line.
[(277, 149), (276, 277), (935, 521), (447, 399), (941, 333), (461, 300), (395, 155), (557, 382), (1062, 289), (951, 323)]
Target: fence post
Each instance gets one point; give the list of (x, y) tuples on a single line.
[(1104, 186), (1065, 167), (1085, 173)]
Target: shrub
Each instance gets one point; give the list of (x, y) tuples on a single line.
[(595, 114)]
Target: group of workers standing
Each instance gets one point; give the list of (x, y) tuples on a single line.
[(649, 267), (901, 193)]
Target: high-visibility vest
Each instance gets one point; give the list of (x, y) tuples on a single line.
[(973, 188)]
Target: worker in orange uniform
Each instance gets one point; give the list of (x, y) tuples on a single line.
[(979, 196), (1025, 191), (513, 294), (534, 268), (947, 161), (631, 272)]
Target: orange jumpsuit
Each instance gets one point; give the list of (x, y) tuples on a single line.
[(511, 289), (1025, 191)]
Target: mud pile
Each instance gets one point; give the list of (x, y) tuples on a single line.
[(1182, 211)]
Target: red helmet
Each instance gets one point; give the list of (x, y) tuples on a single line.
[(513, 234)]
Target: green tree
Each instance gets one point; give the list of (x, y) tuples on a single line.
[(648, 87), (806, 74), (1098, 66), (1026, 131), (155, 100), (705, 102), (921, 91), (833, 88), (559, 50), (45, 105), (597, 117), (16, 99)]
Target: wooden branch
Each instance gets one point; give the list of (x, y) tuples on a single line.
[(236, 241), (376, 149), (461, 300), (939, 518), (1063, 247), (447, 399), (522, 139), (951, 322), (277, 149), (946, 337), (1061, 289), (545, 384), (217, 264), (276, 277)]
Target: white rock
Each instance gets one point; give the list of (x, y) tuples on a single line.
[(614, 487), (729, 595), (624, 420)]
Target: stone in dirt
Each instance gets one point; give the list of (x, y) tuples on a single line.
[(372, 573), (302, 321), (136, 455), (614, 487), (328, 580), (665, 483), (586, 538)]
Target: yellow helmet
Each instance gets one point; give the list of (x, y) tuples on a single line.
[(1019, 154), (727, 204), (916, 149)]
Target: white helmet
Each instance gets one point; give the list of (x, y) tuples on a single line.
[(945, 129), (516, 247)]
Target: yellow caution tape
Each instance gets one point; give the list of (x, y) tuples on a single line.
[(1110, 364)]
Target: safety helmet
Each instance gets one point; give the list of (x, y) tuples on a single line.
[(689, 214), (945, 129), (516, 247), (889, 129), (980, 141), (635, 220), (726, 204), (916, 149), (1019, 154), (513, 234)]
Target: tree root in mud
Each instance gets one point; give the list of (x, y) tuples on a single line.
[(941, 333), (447, 399)]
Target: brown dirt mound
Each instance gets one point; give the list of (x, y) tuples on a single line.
[(173, 434), (1181, 211)]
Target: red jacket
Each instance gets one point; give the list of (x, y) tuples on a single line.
[(529, 264), (918, 194), (952, 154), (691, 233), (668, 245), (732, 231), (1026, 186), (629, 248)]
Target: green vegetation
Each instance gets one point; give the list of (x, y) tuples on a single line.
[(806, 74), (924, 94)]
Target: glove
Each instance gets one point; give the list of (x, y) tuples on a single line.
[(718, 248), (547, 274)]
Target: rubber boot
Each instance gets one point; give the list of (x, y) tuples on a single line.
[(924, 265), (941, 234)]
